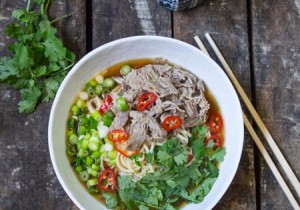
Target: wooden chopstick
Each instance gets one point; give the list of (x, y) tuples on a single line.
[(282, 161), (258, 142)]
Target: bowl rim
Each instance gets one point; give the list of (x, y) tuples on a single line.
[(129, 39)]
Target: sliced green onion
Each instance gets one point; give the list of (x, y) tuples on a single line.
[(84, 176), (112, 154), (81, 130), (87, 136), (92, 182), (99, 78), (94, 145), (92, 123), (93, 83), (92, 172), (73, 139), (79, 168), (79, 144), (122, 104), (95, 167), (71, 123), (99, 89), (125, 69), (107, 121), (97, 161), (80, 137), (96, 154), (85, 144), (75, 110), (104, 154), (81, 103), (110, 114), (83, 120), (88, 161), (70, 132), (83, 153), (93, 189), (107, 147), (109, 82), (103, 131), (90, 90), (71, 151), (83, 95), (112, 161), (96, 115)]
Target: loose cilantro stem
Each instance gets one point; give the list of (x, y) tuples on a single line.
[(62, 17), (28, 5), (47, 5)]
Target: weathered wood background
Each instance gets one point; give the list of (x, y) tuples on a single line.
[(260, 40)]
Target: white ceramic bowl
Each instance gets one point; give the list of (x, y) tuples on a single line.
[(176, 52)]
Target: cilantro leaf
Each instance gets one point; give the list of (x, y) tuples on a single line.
[(217, 154), (7, 69), (23, 57), (181, 158), (51, 87), (171, 183), (39, 60), (54, 49), (29, 100), (111, 199), (198, 149), (125, 182)]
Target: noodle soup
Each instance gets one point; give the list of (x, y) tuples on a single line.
[(145, 134)]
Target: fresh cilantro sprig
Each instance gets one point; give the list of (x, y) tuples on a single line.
[(174, 180), (39, 59)]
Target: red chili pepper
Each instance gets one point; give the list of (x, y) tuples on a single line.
[(121, 148), (216, 139), (107, 181), (118, 135), (215, 123), (172, 123), (146, 100), (106, 104)]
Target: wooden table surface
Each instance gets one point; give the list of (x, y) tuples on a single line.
[(259, 38)]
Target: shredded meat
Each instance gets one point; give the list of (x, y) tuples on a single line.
[(179, 93)]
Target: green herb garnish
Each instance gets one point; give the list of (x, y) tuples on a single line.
[(173, 180), (40, 61)]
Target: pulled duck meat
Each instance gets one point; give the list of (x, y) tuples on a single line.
[(179, 93)]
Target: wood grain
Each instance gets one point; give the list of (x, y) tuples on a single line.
[(277, 75), (226, 21), (27, 177), (118, 19)]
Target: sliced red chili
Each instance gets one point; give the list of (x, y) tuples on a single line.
[(215, 123), (121, 147), (146, 100), (216, 139), (118, 135), (172, 123), (107, 181), (106, 104)]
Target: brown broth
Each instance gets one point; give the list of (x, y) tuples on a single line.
[(138, 63)]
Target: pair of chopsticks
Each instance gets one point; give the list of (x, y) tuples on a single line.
[(282, 161)]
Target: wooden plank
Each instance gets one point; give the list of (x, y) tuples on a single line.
[(277, 75), (27, 177), (227, 22), (130, 18)]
